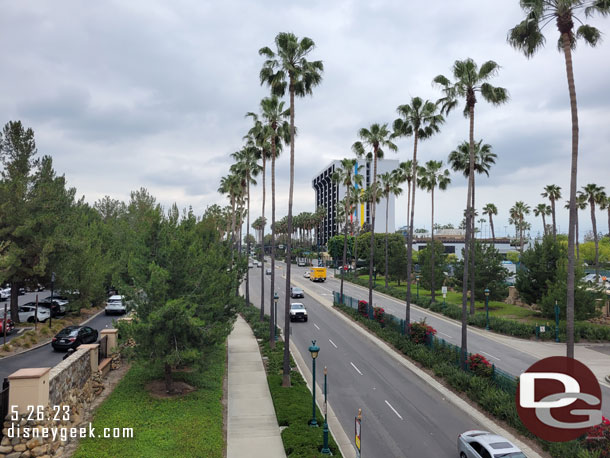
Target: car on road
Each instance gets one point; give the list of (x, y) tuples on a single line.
[(27, 313), (483, 444), (115, 305), (73, 336), (298, 312), (268, 272), (306, 274), (296, 292), (9, 326)]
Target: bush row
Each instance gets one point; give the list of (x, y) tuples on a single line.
[(505, 326), (487, 391), (292, 405)]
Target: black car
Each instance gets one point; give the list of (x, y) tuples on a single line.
[(73, 336), (296, 292)]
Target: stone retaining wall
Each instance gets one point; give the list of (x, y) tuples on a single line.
[(69, 375)]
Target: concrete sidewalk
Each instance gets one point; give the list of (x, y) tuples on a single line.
[(252, 428)]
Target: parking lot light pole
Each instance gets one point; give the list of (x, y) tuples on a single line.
[(4, 324), (556, 322), (51, 307), (487, 309), (417, 283), (275, 299), (314, 350), (325, 450)]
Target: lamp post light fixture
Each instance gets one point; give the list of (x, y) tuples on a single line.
[(275, 299), (314, 350), (325, 450), (487, 309)]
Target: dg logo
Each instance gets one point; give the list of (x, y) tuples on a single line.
[(559, 399)]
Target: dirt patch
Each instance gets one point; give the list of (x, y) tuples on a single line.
[(156, 389)]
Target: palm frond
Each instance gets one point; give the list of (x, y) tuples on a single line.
[(590, 34)]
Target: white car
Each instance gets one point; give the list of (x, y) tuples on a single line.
[(298, 312), (483, 444), (27, 313), (306, 274), (5, 294), (116, 305)]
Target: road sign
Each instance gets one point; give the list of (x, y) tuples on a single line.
[(357, 431)]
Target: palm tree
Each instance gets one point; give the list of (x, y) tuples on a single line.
[(490, 210), (527, 37), (518, 212), (469, 80), (459, 159), (347, 175), (357, 199), (376, 138), (405, 170), (581, 204), (605, 205), (553, 193), (390, 184), (247, 166), (432, 176), (288, 68), (543, 210), (231, 185), (595, 195), (422, 120)]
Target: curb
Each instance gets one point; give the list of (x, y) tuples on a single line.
[(452, 397), (48, 341)]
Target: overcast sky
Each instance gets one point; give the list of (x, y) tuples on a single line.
[(143, 93)]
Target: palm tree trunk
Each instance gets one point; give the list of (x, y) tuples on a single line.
[(410, 237), (554, 224), (469, 216), (347, 203), (387, 207), (573, 183), (608, 216), (248, 246), (543, 224), (432, 286), (372, 251), (272, 289), (233, 223), (262, 257), (493, 234), (472, 252), (286, 365), (577, 237), (594, 222)]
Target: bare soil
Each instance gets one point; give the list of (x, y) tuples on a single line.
[(156, 388)]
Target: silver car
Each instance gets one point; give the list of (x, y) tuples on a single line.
[(483, 444)]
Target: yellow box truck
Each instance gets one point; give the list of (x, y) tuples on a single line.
[(317, 274)]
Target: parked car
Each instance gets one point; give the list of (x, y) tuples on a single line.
[(296, 292), (9, 326), (250, 266), (483, 444), (298, 312), (116, 305), (306, 274), (27, 313), (5, 294), (73, 336), (268, 272), (57, 304)]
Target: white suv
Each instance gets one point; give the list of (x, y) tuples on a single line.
[(116, 305), (298, 312)]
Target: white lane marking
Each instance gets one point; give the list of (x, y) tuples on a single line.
[(393, 409), (491, 356), (316, 326), (444, 334), (354, 366), (333, 344)]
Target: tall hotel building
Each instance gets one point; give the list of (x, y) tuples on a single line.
[(329, 193)]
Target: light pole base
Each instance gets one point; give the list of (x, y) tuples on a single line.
[(313, 423)]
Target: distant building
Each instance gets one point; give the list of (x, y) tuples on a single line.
[(328, 195)]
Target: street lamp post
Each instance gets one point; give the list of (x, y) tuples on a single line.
[(275, 299), (4, 323), (314, 350), (417, 283), (52, 286), (487, 309), (556, 322), (325, 450)]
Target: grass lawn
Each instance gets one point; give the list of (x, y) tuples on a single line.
[(189, 426)]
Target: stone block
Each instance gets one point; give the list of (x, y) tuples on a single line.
[(19, 448), (6, 448), (40, 450), (34, 442)]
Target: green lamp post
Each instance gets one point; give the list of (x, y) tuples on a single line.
[(556, 322), (417, 283), (275, 299), (325, 450), (487, 309), (314, 350)]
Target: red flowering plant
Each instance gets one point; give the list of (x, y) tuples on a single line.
[(363, 308), (420, 332), (479, 365), (598, 439), (379, 315)]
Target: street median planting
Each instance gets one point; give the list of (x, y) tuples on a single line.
[(293, 406), (492, 389)]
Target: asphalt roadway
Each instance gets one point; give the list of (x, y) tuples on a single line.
[(401, 415)]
